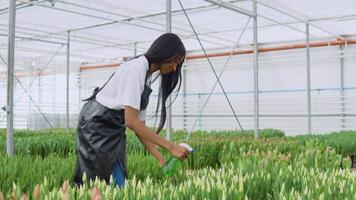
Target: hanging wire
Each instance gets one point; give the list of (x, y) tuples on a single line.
[(25, 89), (211, 66), (44, 116), (44, 68), (38, 108), (223, 69)]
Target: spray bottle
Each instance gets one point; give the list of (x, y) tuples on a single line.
[(173, 163)]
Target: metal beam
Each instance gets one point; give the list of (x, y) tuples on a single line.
[(67, 81), (18, 7), (284, 9), (38, 40), (57, 36), (228, 3), (105, 19), (135, 49), (54, 91), (255, 70), (169, 99), (231, 7), (10, 80), (33, 50), (290, 11), (39, 91), (140, 18), (30, 70), (184, 96), (284, 24), (308, 76), (342, 86), (262, 115), (79, 82), (87, 15)]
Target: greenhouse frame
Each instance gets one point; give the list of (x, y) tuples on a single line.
[(63, 37), (254, 70)]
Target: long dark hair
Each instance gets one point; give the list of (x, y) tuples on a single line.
[(164, 48)]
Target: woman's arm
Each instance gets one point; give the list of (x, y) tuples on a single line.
[(152, 148), (133, 122)]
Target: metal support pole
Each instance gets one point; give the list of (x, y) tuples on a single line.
[(53, 91), (30, 115), (199, 108), (184, 84), (342, 87), (79, 79), (67, 79), (38, 123), (10, 80), (135, 49), (308, 76), (169, 99), (54, 98), (255, 69)]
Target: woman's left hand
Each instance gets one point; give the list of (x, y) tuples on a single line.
[(161, 162)]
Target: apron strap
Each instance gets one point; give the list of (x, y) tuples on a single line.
[(97, 89)]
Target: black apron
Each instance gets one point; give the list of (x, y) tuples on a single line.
[(101, 139)]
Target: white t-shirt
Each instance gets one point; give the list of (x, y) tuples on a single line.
[(126, 86)]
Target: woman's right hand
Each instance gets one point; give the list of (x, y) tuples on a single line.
[(179, 151)]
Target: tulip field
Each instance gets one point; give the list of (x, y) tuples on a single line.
[(225, 165)]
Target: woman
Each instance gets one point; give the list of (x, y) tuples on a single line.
[(121, 103)]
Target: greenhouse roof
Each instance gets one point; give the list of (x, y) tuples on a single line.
[(108, 30)]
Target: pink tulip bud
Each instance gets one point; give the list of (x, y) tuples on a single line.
[(65, 186), (95, 194), (36, 192), (24, 196), (1, 196)]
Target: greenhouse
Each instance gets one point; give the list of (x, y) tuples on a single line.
[(177, 99)]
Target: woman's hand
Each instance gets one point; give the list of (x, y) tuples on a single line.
[(178, 151), (152, 149), (161, 162), (133, 122)]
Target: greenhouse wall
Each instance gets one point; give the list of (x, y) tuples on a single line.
[(282, 85)]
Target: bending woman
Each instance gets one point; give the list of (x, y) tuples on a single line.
[(121, 103)]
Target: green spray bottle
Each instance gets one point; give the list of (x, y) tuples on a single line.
[(173, 164)]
